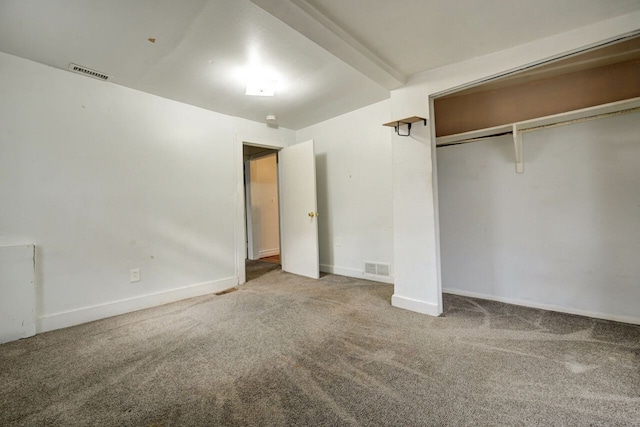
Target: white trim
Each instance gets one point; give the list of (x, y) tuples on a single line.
[(608, 32), (65, 319), (549, 307), (239, 226), (436, 199), (352, 272), (418, 306), (248, 211), (268, 252), (240, 236)]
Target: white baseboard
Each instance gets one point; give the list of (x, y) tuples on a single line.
[(352, 272), (550, 307), (268, 252), (418, 306), (65, 319)]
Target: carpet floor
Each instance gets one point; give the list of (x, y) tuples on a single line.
[(285, 350)]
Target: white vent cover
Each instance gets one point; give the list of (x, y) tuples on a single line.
[(376, 268), (89, 72), (370, 268)]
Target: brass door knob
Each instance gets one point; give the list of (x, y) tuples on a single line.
[(312, 214)]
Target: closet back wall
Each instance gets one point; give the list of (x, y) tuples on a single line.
[(564, 235)]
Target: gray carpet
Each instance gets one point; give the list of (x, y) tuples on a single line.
[(282, 350), (257, 268)]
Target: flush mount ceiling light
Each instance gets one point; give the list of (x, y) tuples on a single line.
[(260, 78), (261, 87)]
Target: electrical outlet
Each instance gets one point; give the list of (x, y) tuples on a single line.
[(134, 275), (338, 241)]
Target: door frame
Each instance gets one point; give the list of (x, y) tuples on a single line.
[(240, 232), (251, 253), (432, 96), (248, 215)]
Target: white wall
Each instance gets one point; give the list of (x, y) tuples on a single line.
[(415, 222), (17, 292), (264, 206), (353, 162), (564, 235), (103, 179)]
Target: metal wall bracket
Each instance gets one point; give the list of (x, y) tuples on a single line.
[(517, 144), (397, 123)]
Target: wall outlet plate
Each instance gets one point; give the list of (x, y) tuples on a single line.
[(134, 275)]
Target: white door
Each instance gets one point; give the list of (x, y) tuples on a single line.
[(298, 210)]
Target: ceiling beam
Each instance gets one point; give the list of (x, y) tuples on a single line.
[(313, 24)]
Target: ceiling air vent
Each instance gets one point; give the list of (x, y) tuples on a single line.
[(89, 72)]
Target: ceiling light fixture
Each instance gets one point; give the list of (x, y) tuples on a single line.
[(261, 87)]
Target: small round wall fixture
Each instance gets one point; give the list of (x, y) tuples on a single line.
[(271, 118)]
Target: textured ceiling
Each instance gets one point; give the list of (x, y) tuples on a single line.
[(329, 56), (417, 35), (198, 58)]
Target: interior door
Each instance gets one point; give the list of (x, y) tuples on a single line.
[(298, 210)]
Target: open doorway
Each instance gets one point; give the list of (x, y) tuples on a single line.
[(297, 208), (262, 213)]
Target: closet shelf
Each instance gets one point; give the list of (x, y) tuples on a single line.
[(604, 110), (518, 128)]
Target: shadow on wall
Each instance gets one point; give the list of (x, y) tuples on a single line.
[(613, 183)]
